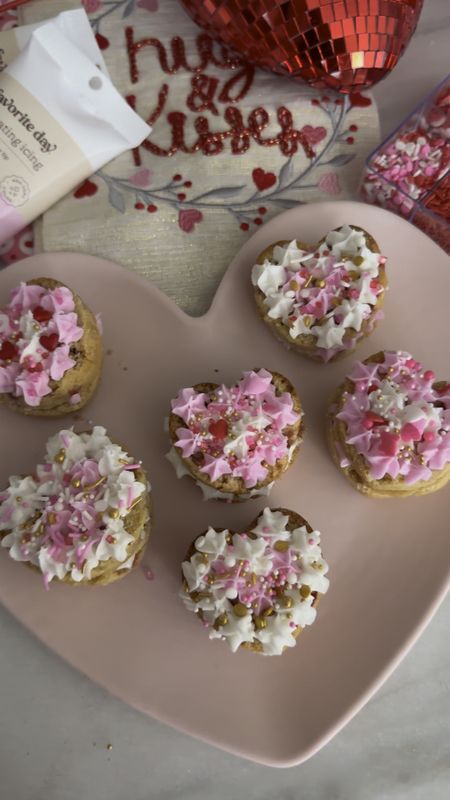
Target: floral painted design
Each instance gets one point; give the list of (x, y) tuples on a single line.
[(260, 193)]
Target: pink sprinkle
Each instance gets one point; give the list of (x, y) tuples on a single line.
[(65, 440), (148, 574), (75, 398), (428, 436), (132, 466), (292, 625), (205, 623), (310, 541), (429, 375)]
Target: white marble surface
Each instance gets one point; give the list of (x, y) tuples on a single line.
[(55, 725)]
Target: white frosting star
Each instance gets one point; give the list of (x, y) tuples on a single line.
[(272, 524)]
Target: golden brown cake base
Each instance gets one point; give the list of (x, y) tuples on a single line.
[(235, 486), (357, 473), (82, 379), (305, 344)]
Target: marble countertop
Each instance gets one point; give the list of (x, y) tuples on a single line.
[(56, 725)]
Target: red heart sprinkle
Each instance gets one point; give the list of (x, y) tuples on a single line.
[(49, 342), (41, 314), (372, 388), (262, 179), (375, 419), (388, 443), (410, 433), (37, 368), (8, 351), (218, 428)]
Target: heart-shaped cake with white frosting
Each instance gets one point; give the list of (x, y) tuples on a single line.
[(236, 441), (50, 349), (259, 588), (83, 516), (389, 426), (323, 299)]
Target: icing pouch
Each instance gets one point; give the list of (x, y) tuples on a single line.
[(61, 119)]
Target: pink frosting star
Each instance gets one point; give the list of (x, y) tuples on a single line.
[(255, 383), (188, 403), (188, 441), (26, 297), (60, 362), (34, 387), (215, 467), (68, 330)]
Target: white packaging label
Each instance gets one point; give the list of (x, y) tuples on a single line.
[(60, 120), (73, 24)]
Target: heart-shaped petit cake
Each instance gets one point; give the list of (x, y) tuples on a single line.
[(236, 441), (50, 350), (322, 300), (259, 588), (83, 516), (389, 427)]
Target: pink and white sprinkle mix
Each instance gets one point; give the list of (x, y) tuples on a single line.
[(236, 430), (407, 167), (37, 328), (68, 516), (398, 418)]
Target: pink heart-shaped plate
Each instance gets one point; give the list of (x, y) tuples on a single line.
[(389, 559)]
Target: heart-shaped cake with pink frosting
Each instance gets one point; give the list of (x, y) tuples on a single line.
[(235, 442), (83, 516), (389, 426), (256, 589), (50, 349), (321, 300)]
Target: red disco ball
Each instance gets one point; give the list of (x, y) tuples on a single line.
[(348, 45)]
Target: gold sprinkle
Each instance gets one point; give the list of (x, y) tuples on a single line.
[(358, 260), (281, 546), (320, 284), (51, 518), (76, 483), (109, 746), (239, 610), (353, 275), (286, 601), (196, 596), (260, 622), (60, 456), (18, 498), (293, 285), (305, 591), (221, 621), (307, 282), (288, 616), (268, 611), (114, 513), (94, 485), (307, 321), (253, 579)]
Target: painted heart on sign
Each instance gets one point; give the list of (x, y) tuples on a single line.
[(262, 179)]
